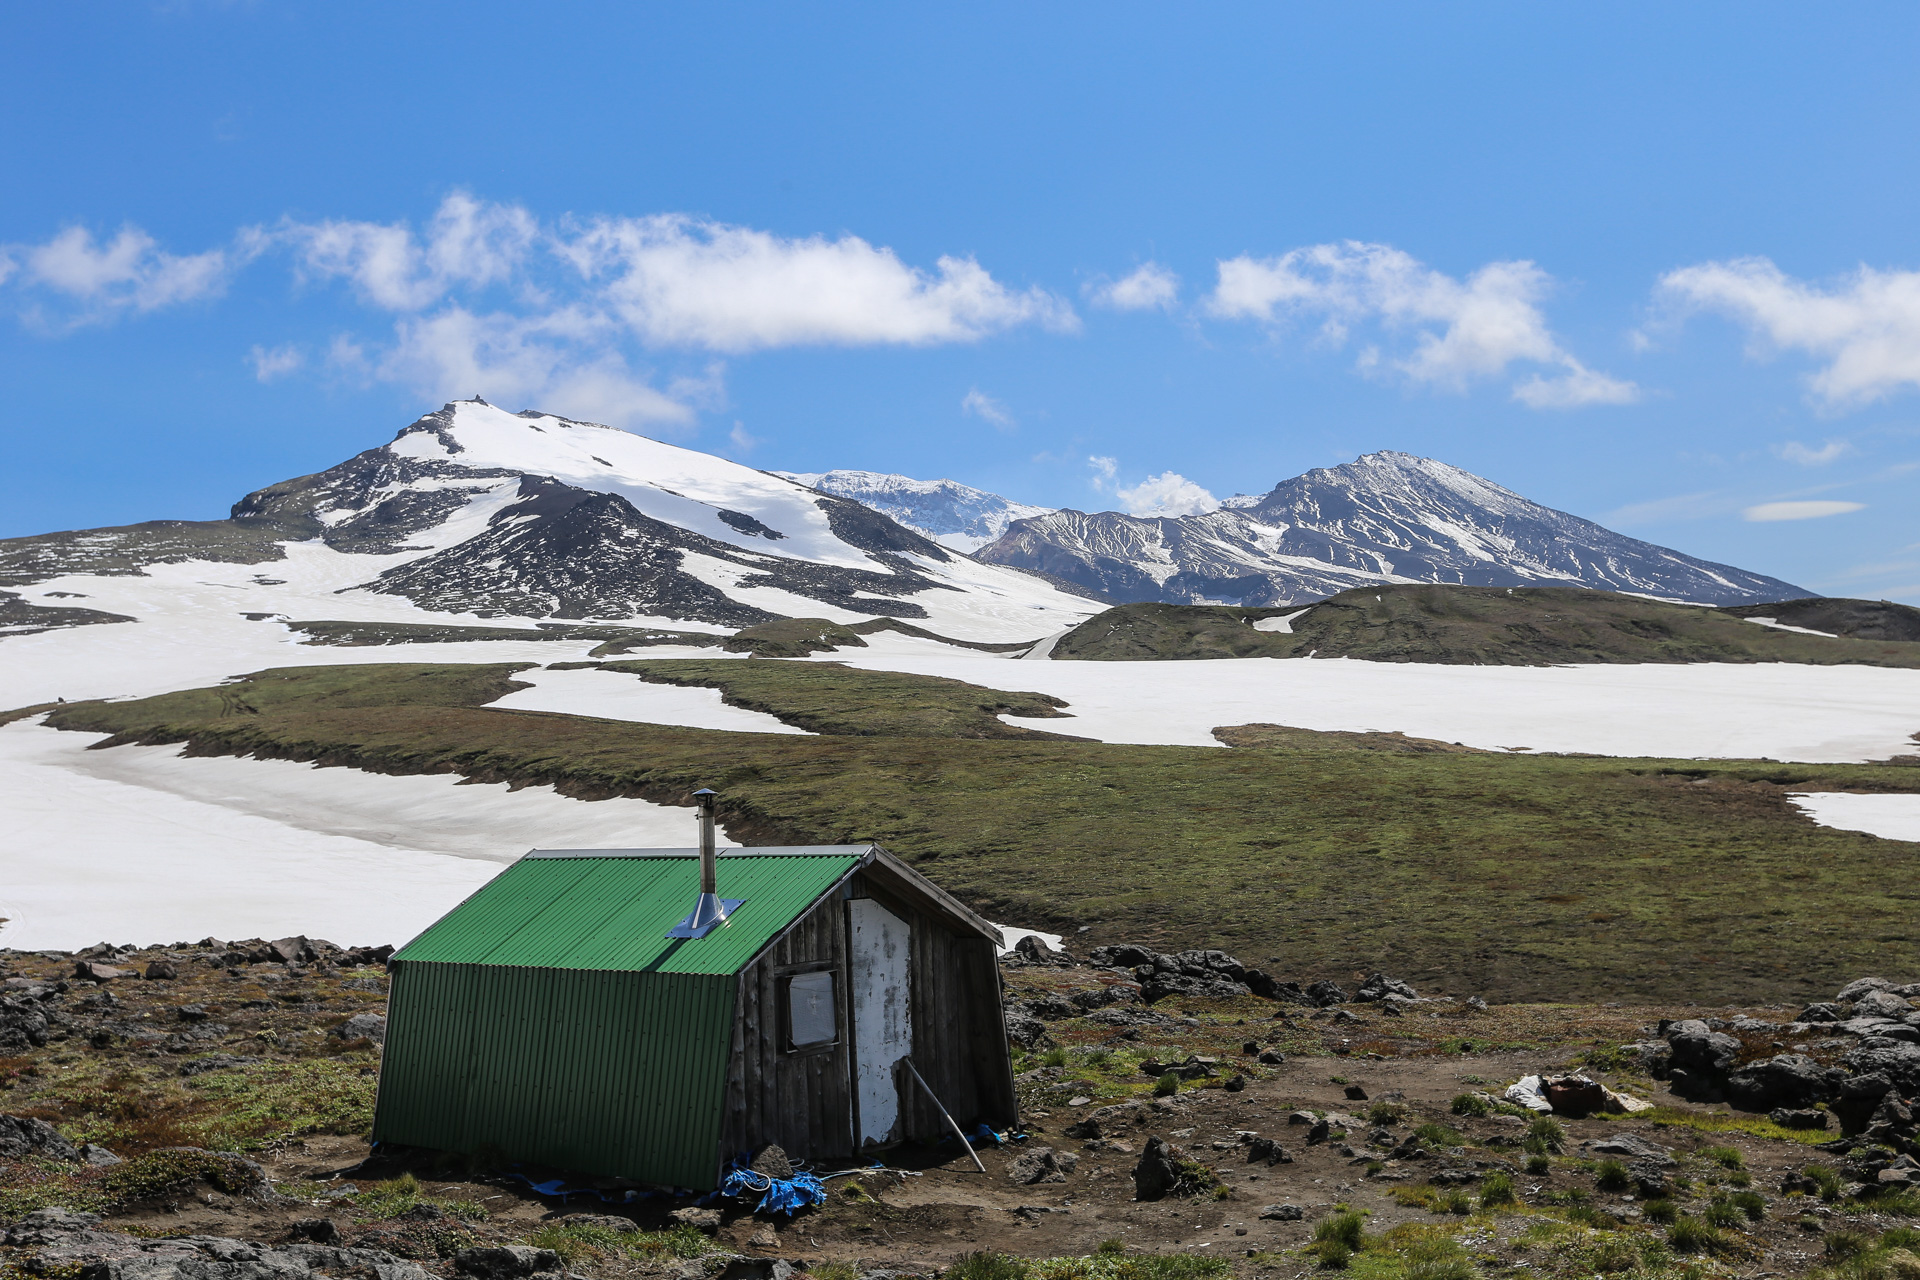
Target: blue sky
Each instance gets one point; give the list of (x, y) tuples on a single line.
[(1654, 265)]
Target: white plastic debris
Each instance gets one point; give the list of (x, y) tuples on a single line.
[(1531, 1093)]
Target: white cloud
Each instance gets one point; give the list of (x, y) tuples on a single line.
[(1866, 326), (1149, 285), (277, 363), (1806, 456), (1684, 506), (1167, 494), (740, 440), (1104, 469), (467, 243), (981, 405), (681, 281), (514, 360), (128, 272), (1464, 330), (1771, 511)]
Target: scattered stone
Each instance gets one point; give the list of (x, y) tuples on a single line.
[(1355, 1093), (1790, 1080), (1035, 950), (1025, 1030), (1326, 992), (1235, 1084), (1860, 987), (1821, 1012), (1321, 1130), (161, 970), (1476, 1004), (95, 971), (771, 1161), (99, 1157), (765, 1238), (1272, 1059), (318, 1230), (1634, 1147), (1042, 1164), (1268, 1150), (1283, 1213), (1881, 1004), (1301, 1117), (707, 1220)]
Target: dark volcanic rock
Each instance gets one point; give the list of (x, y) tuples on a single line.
[(1785, 1080), (23, 1136)]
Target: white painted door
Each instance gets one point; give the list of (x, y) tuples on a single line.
[(882, 1015)]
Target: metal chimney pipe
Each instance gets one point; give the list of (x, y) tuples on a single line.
[(706, 797)]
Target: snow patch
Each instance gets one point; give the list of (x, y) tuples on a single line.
[(618, 695), (1891, 817)]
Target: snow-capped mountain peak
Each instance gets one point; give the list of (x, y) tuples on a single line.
[(1385, 517), (952, 514)]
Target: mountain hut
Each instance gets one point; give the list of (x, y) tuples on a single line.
[(608, 1011)]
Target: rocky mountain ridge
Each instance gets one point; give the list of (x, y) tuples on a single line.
[(1387, 518)]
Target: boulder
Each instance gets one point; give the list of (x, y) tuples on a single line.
[(1050, 1007), (1158, 1171), (1379, 986), (1703, 1053), (1162, 985), (1807, 1118), (22, 1024), (1820, 1012), (1326, 992), (1106, 1122), (1124, 955), (1882, 1004), (505, 1261), (1100, 997), (1036, 950), (368, 1026), (1283, 1213), (160, 970), (771, 1161), (98, 971), (1860, 987), (1026, 1031), (1785, 1080), (1897, 1061), (296, 950), (318, 1230), (1634, 1147), (707, 1220), (23, 1136), (1041, 1164), (1268, 1150)]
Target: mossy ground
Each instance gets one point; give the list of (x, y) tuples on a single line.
[(1520, 878)]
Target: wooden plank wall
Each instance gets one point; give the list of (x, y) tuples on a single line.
[(801, 1101)]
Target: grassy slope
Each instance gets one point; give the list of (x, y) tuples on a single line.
[(1473, 625), (1518, 877), (829, 698)]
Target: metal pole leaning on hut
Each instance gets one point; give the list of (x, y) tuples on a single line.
[(945, 1116)]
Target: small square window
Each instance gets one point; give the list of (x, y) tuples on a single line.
[(810, 1019)]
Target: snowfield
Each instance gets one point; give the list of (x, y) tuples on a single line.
[(1891, 817), (614, 695), (1768, 710), (141, 844)]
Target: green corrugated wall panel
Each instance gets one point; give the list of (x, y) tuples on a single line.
[(610, 1072), (614, 913)]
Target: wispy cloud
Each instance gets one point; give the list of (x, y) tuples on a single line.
[(1464, 330), (1101, 471), (986, 408), (1806, 456), (275, 363), (1767, 512), (1146, 287), (1866, 326), (1682, 506), (1167, 494), (488, 298), (90, 281)]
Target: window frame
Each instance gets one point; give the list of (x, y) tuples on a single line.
[(783, 987)]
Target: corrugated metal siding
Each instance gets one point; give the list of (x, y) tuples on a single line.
[(613, 913), (615, 1073)]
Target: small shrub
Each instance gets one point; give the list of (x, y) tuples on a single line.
[(1438, 1135), (1612, 1176), (1435, 1258), (1724, 1214), (1900, 1238), (1749, 1203), (1615, 1256), (1539, 1165), (1725, 1157), (1333, 1255), (1347, 1228), (1112, 1246), (833, 1271), (1845, 1243), (1456, 1201), (984, 1265), (1825, 1179), (1550, 1133), (1054, 1058), (1663, 1212), (1167, 1085), (1690, 1235), (1740, 1178), (1496, 1189), (1533, 1146), (1901, 1204), (1471, 1104), (1588, 1216), (1386, 1113)]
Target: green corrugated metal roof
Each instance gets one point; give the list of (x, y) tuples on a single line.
[(580, 911)]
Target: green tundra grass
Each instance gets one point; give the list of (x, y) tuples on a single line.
[(1522, 878)]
